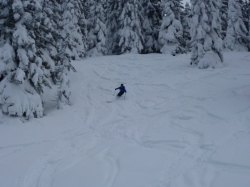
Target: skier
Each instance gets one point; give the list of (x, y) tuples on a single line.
[(122, 90)]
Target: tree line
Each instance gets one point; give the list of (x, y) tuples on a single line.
[(39, 38)]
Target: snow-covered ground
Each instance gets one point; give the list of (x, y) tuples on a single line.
[(178, 126)]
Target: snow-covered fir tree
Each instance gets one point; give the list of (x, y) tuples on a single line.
[(73, 41), (150, 26), (62, 58), (83, 21), (130, 32), (185, 21), (171, 29), (21, 68), (236, 38), (48, 37), (224, 17), (97, 31), (114, 9), (31, 56), (245, 8), (248, 5), (49, 41), (205, 33), (249, 18)]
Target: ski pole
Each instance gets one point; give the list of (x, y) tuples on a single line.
[(125, 95), (114, 93)]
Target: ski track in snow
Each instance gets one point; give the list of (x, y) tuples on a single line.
[(177, 127)]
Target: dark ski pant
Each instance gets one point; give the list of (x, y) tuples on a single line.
[(120, 94)]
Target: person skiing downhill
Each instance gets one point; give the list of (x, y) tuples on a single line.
[(122, 90)]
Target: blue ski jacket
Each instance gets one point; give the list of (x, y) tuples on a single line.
[(121, 88)]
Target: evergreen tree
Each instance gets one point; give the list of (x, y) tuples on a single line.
[(205, 33), (73, 41), (150, 26), (31, 56), (47, 34), (21, 68), (224, 17), (185, 21), (248, 21), (248, 5), (97, 29), (171, 30), (245, 7), (130, 33), (114, 9), (54, 48), (236, 38), (83, 21)]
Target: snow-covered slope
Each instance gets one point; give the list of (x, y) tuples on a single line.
[(178, 126)]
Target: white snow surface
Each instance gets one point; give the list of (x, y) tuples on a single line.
[(178, 126)]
